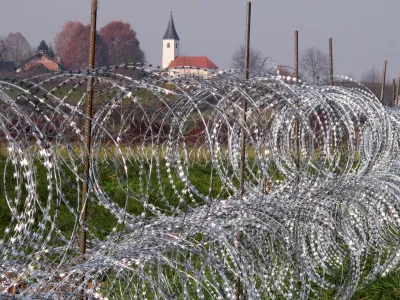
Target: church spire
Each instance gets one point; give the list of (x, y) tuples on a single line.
[(171, 33)]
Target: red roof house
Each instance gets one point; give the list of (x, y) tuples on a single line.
[(191, 65), (202, 62), (39, 63)]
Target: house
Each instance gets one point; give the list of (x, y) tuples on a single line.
[(38, 64), (175, 64), (193, 65)]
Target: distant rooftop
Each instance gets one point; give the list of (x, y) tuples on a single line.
[(171, 33), (39, 61)]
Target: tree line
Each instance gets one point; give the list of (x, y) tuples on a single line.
[(116, 43), (313, 65)]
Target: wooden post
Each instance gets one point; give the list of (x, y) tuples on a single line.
[(383, 80), (331, 61), (297, 124), (243, 154), (296, 54), (87, 134), (397, 93), (394, 92)]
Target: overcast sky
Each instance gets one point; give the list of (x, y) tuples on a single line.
[(364, 32)]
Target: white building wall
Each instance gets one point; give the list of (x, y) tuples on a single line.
[(199, 72), (169, 54)]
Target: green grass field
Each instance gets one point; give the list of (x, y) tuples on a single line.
[(102, 222)]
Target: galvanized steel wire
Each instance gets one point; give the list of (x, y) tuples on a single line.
[(324, 218)]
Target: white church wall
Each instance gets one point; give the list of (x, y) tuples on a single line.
[(200, 72), (169, 53)]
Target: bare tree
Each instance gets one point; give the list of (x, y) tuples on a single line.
[(18, 48), (373, 75), (314, 63), (255, 61)]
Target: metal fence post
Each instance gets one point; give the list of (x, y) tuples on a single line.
[(243, 153), (331, 61), (87, 133), (383, 80)]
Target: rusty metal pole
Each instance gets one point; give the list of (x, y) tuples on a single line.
[(331, 61), (296, 54), (247, 44), (297, 124), (394, 92), (397, 93), (383, 81), (87, 132), (243, 154)]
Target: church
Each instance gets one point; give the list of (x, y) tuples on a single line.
[(199, 65)]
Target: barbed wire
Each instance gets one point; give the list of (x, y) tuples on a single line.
[(164, 186)]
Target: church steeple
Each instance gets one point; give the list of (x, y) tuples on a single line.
[(171, 33), (171, 43)]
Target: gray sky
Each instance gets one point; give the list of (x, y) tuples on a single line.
[(365, 33)]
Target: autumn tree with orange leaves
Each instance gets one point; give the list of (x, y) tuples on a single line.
[(115, 44), (71, 46), (62, 39), (76, 55), (123, 45)]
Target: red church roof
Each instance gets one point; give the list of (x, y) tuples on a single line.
[(201, 62)]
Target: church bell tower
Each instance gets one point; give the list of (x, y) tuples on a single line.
[(170, 44)]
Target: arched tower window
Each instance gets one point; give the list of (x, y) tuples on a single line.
[(168, 45), (176, 45)]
